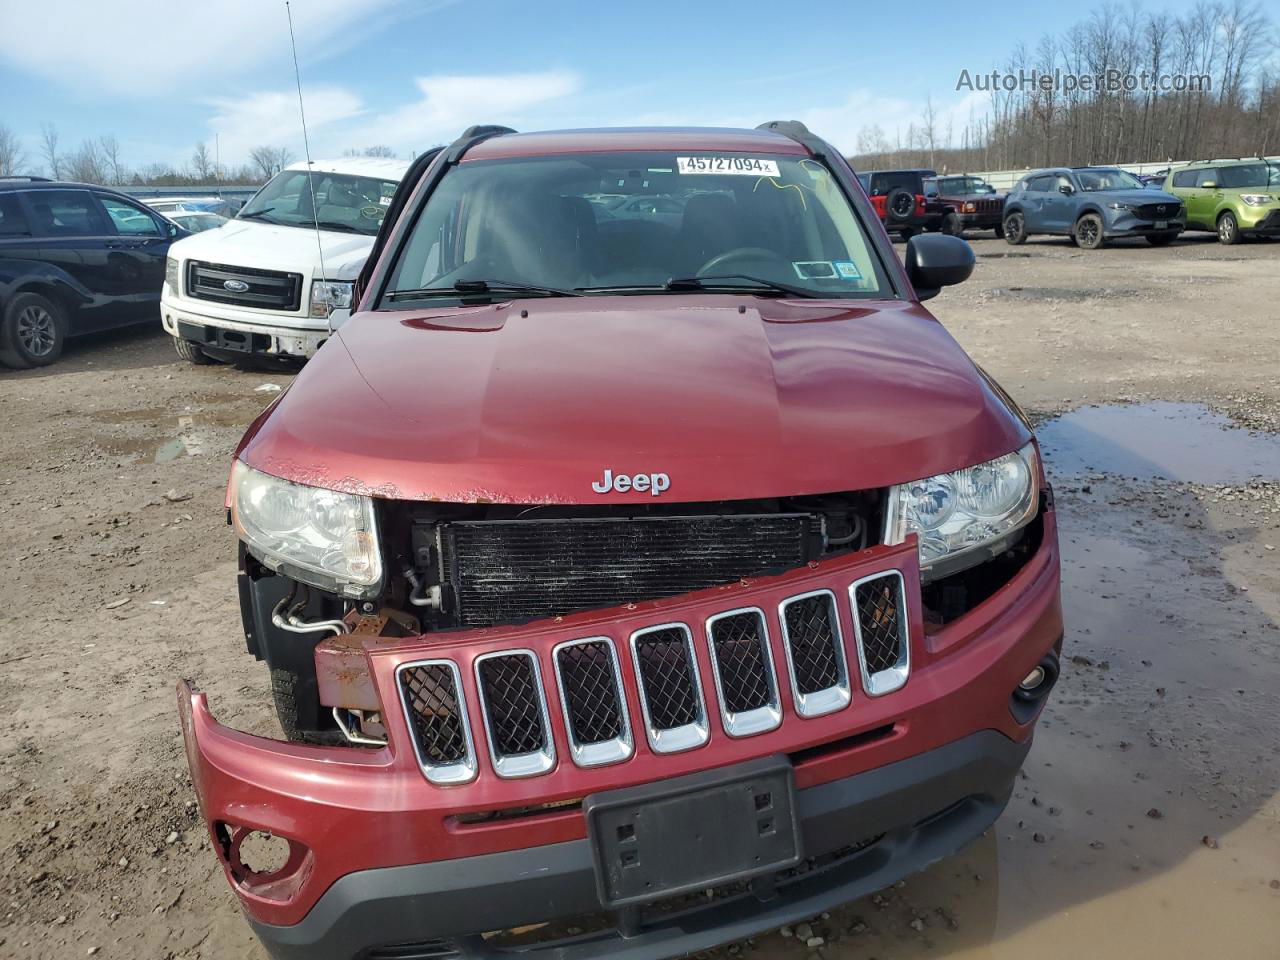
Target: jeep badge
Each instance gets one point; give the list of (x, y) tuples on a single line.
[(654, 483)]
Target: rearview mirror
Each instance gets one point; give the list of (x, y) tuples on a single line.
[(936, 260)]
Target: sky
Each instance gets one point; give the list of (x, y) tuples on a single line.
[(163, 75)]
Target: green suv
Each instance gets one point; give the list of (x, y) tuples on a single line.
[(1233, 198)]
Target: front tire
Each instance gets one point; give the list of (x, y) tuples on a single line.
[(1088, 232), (32, 333), (191, 352), (1015, 229), (952, 226), (1228, 229), (286, 690), (999, 231)]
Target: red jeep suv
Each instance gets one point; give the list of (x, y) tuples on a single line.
[(628, 585)]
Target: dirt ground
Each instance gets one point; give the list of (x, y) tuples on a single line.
[(1147, 822)]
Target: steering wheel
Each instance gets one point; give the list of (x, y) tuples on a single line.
[(717, 263)]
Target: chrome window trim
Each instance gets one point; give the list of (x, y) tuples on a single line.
[(833, 698), (441, 774), (747, 723), (894, 678), (518, 765), (601, 754), (690, 735)]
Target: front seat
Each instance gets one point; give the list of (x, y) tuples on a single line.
[(707, 229)]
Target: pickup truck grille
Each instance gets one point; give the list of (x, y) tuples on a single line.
[(513, 571), (249, 286), (671, 691)]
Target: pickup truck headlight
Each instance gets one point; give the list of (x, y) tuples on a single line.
[(321, 537), (171, 274), (1256, 199), (328, 296), (970, 206), (967, 515)]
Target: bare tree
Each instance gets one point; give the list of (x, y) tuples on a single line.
[(270, 160), (112, 166), (86, 164), (12, 157), (49, 147), (202, 163), (378, 150)]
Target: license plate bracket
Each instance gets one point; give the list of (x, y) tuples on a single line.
[(1162, 224), (690, 833)]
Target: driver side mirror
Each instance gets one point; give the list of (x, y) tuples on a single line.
[(937, 260), (1209, 184), (1066, 189), (171, 229)]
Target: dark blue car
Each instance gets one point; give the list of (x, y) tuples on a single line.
[(1091, 205)]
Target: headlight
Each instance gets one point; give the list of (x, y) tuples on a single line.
[(320, 537), (1120, 206), (969, 207), (171, 274), (328, 296), (1256, 199), (965, 515)]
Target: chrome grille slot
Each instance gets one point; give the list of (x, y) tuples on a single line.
[(431, 692), (880, 630), (515, 713), (670, 688), (591, 696), (249, 286), (815, 653), (743, 667)]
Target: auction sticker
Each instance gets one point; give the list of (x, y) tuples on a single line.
[(742, 166)]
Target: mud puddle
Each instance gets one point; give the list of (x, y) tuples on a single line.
[(1185, 442)]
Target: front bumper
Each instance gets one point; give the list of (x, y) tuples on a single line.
[(1124, 224), (981, 221), (921, 809), (358, 820), (1259, 220), (229, 331)]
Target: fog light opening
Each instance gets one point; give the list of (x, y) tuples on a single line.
[(259, 861), (1030, 693)]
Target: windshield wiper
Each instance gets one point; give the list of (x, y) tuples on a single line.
[(338, 225), (471, 287), (258, 215), (732, 281)]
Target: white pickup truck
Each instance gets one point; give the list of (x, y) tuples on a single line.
[(277, 278)]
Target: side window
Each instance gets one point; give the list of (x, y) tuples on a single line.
[(1206, 177), (129, 220), (65, 213), (1039, 184), (1184, 178), (12, 221)]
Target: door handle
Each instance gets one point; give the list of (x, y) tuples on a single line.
[(113, 244)]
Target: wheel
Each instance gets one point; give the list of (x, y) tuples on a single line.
[(1228, 228), (999, 230), (952, 226), (1160, 239), (285, 690), (1014, 229), (191, 352), (1088, 232), (32, 333)]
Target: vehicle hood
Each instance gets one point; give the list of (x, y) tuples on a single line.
[(272, 247), (731, 397), (1147, 195)]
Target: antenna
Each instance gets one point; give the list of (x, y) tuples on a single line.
[(306, 147)]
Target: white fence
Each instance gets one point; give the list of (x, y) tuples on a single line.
[(1005, 179)]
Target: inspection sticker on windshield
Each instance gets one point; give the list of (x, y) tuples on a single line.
[(742, 166)]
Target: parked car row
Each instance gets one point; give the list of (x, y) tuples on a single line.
[(1236, 199)]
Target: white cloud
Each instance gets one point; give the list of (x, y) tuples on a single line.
[(154, 48), (840, 124), (337, 119)]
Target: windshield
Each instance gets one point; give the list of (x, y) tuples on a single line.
[(1259, 174), (954, 186), (342, 202), (627, 222), (1107, 179), (197, 222)]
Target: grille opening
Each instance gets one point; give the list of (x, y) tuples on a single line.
[(431, 693), (252, 287), (434, 949), (588, 681), (949, 598), (813, 642), (530, 812), (512, 704), (669, 684), (738, 643), (881, 622), (833, 747)]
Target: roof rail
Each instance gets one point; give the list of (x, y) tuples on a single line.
[(473, 135), (29, 178), (797, 131)]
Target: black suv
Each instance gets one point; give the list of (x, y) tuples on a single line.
[(900, 200), (74, 258)]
